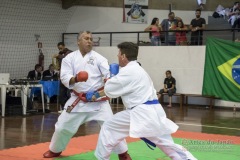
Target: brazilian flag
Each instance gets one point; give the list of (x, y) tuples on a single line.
[(222, 70)]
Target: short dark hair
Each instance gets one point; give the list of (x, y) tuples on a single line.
[(37, 66), (170, 13), (198, 10), (168, 71), (51, 65), (60, 44), (129, 49)]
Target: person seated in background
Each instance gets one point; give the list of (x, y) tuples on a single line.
[(50, 73), (169, 87), (35, 74), (181, 38), (234, 14), (155, 29)]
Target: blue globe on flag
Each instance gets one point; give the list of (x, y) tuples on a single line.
[(236, 71)]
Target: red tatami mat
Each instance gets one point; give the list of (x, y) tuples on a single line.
[(88, 143)]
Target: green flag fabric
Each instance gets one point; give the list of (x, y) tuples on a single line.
[(222, 70)]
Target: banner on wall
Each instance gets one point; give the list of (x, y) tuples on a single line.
[(222, 69), (135, 11)]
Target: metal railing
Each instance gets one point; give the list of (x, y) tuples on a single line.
[(141, 37)]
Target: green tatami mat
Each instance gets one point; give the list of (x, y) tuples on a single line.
[(202, 150)]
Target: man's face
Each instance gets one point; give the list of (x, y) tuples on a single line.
[(168, 75), (39, 69), (198, 14), (51, 68), (171, 16), (61, 47), (85, 42)]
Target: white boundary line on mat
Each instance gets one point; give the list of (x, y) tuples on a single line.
[(188, 124)]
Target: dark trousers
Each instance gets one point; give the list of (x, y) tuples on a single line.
[(236, 24), (170, 92), (196, 40), (64, 95)]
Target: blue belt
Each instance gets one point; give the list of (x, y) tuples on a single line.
[(155, 101), (149, 102), (148, 142)]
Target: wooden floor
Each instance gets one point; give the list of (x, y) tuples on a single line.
[(17, 130)]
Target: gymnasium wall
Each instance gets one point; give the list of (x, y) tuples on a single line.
[(106, 19), (21, 20), (185, 62)]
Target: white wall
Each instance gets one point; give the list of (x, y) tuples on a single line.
[(185, 62), (106, 19)]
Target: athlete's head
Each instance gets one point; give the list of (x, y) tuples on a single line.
[(85, 42), (168, 74), (128, 51)]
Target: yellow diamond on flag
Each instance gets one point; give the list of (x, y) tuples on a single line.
[(226, 69)]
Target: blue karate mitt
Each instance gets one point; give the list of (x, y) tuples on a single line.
[(89, 95), (96, 94), (114, 69)]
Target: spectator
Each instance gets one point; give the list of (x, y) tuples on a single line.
[(197, 26), (201, 3), (236, 24), (50, 73), (169, 87), (234, 14), (181, 38), (35, 74), (155, 29), (64, 93), (169, 25)]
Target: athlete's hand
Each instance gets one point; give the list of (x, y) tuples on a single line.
[(92, 96), (114, 69), (106, 79), (89, 95), (82, 76)]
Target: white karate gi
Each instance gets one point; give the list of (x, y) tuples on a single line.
[(68, 123), (135, 87)]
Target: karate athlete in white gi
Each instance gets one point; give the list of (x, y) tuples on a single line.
[(84, 59), (144, 117)]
